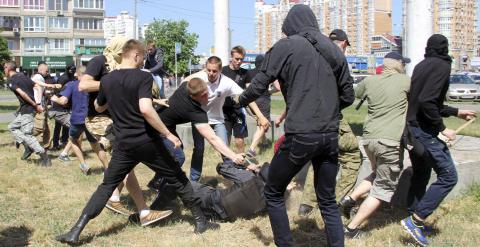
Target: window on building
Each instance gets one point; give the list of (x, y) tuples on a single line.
[(34, 4), (57, 5), (58, 23), (88, 4), (13, 44), (88, 23), (9, 3), (59, 45), (33, 24), (8, 23), (90, 42), (34, 45)]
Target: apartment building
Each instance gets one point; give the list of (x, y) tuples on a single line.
[(360, 19), (56, 31), (122, 25), (457, 20)]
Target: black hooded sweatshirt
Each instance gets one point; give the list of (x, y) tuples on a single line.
[(314, 93), (430, 81)]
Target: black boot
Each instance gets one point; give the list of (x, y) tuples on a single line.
[(201, 223), (28, 151), (346, 205), (165, 198), (71, 237), (45, 160)]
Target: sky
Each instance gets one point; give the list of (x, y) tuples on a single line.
[(199, 13)]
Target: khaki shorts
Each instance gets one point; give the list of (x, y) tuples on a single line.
[(386, 157), (101, 127)]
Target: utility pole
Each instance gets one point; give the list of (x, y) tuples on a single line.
[(135, 31)]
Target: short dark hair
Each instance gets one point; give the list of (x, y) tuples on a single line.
[(238, 49), (152, 43), (215, 60), (131, 45)]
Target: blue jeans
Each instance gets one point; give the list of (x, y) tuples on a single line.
[(293, 154), (199, 147), (437, 157), (158, 79), (177, 153)]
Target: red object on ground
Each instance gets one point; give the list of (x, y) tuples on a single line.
[(279, 142)]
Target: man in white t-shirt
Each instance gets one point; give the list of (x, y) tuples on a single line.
[(219, 87)]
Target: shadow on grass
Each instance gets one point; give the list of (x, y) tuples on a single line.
[(260, 236), (308, 233), (15, 236), (8, 108), (112, 230)]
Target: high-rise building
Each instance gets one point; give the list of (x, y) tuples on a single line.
[(360, 19), (457, 20), (122, 25), (52, 31)]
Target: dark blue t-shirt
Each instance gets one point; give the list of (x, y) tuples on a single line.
[(78, 100)]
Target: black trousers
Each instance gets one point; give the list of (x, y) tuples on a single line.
[(156, 157)]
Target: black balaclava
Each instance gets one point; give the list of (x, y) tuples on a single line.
[(258, 61), (437, 46)]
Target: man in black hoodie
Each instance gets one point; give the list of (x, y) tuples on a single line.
[(313, 75), (430, 80)]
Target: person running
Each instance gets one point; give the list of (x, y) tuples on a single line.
[(386, 95), (430, 81), (312, 118), (22, 126), (127, 93)]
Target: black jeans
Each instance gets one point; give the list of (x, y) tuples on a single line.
[(437, 157), (156, 157), (293, 154)]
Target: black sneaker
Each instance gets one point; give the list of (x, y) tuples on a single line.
[(45, 160), (355, 233), (346, 205), (304, 210)]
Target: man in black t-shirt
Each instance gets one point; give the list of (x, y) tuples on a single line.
[(100, 125), (235, 118), (127, 92), (22, 126), (185, 105)]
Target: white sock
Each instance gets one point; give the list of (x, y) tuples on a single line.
[(144, 212), (63, 154), (115, 198)]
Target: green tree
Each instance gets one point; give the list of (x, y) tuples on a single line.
[(4, 56), (165, 33)]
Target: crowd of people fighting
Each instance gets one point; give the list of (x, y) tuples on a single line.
[(118, 103)]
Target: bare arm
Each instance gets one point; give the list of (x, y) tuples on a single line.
[(149, 113), (62, 100), (262, 120), (207, 132), (27, 98), (88, 84)]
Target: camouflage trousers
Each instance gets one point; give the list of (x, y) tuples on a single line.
[(349, 159), (22, 130), (101, 127)]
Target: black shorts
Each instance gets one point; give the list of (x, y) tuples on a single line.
[(239, 130), (263, 104)]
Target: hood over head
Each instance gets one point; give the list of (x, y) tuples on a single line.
[(299, 18), (437, 46)]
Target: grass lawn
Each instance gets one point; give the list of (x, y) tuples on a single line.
[(38, 203), (8, 106)]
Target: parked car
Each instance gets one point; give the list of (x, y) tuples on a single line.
[(462, 87), (357, 78), (474, 76)]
